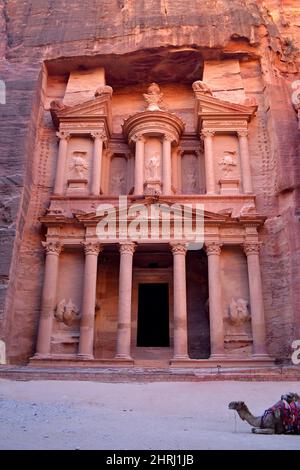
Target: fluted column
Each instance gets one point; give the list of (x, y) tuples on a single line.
[(124, 309), (53, 250), (256, 299), (99, 138), (245, 161), (166, 166), (207, 136), (180, 306), (139, 164), (61, 162), (86, 340), (213, 250)]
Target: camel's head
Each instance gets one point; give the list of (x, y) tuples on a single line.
[(291, 396), (237, 405)]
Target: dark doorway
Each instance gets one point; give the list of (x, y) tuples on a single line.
[(153, 316)]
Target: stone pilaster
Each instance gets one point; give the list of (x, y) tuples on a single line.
[(139, 164), (61, 162), (207, 136), (256, 299), (86, 340), (53, 250), (245, 161), (125, 293), (167, 165), (213, 250), (99, 138), (180, 306)]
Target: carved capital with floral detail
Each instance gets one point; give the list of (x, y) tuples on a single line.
[(63, 135), (213, 248), (92, 247), (139, 137), (251, 248), (178, 248), (99, 135), (242, 133), (168, 137), (205, 133), (127, 248), (52, 247)]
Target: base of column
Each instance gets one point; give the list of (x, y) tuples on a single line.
[(262, 356), (85, 357), (125, 357), (217, 356), (41, 356)]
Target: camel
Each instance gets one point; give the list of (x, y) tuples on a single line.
[(272, 421)]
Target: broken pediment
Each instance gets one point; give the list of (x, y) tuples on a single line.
[(89, 113)]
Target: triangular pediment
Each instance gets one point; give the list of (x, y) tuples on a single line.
[(210, 105), (94, 110)]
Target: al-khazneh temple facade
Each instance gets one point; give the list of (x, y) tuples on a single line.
[(158, 129)]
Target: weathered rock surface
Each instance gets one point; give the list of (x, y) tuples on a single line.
[(263, 35)]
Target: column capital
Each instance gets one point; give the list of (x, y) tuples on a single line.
[(252, 248), (178, 248), (139, 137), (243, 133), (207, 133), (63, 135), (92, 247), (168, 137), (127, 247), (99, 135), (213, 248), (53, 247)]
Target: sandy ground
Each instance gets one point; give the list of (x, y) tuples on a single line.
[(172, 415)]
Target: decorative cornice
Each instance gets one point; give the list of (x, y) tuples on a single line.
[(52, 247), (92, 247), (213, 248)]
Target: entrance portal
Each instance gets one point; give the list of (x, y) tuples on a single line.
[(153, 315)]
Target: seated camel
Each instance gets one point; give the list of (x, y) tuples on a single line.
[(281, 418)]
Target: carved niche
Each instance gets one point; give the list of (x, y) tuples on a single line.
[(118, 175), (190, 173), (78, 172), (238, 330)]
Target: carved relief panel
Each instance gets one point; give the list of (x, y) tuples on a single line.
[(192, 173), (79, 165), (118, 175), (227, 163), (153, 165)]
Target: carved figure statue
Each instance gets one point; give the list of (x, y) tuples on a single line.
[(238, 311), (191, 180), (248, 209), (117, 182), (152, 166), (281, 418), (67, 312), (153, 97), (228, 161), (202, 87), (78, 164)]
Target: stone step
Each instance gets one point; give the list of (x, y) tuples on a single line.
[(149, 374)]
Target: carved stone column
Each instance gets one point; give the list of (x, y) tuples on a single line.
[(210, 182), (99, 138), (256, 299), (213, 250), (180, 307), (245, 161), (139, 164), (125, 292), (167, 165), (61, 162), (86, 340), (53, 250)]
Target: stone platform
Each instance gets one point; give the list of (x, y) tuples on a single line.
[(151, 374)]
